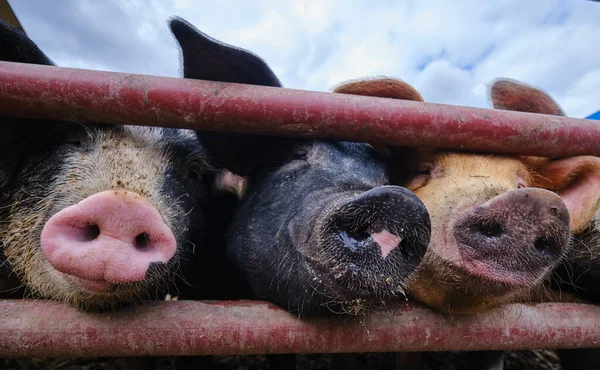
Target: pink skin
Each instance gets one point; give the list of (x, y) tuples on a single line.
[(98, 241), (387, 242)]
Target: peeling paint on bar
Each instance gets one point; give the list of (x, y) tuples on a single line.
[(109, 97), (38, 328)]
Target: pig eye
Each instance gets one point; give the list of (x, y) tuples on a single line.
[(194, 170), (423, 175), (521, 183), (424, 171), (75, 143), (300, 154)]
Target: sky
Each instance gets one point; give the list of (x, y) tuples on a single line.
[(448, 50)]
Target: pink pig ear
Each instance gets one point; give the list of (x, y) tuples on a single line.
[(382, 87), (509, 94), (577, 182), (403, 160)]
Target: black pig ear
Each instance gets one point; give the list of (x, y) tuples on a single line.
[(205, 58), (15, 46)]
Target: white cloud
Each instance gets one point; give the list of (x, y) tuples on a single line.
[(442, 82), (449, 50)]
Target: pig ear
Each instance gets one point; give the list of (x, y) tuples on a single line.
[(509, 94), (205, 58), (15, 46), (403, 161), (577, 182), (382, 87), (231, 183)]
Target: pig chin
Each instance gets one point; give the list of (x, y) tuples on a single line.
[(100, 295), (446, 288)]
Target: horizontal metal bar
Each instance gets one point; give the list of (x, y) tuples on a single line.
[(38, 328), (96, 96)]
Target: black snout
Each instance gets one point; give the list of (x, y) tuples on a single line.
[(381, 234), (392, 212)]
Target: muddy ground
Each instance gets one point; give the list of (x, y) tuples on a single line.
[(515, 360)]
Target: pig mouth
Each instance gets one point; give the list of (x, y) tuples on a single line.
[(101, 286), (369, 275), (370, 278), (348, 300), (495, 280), (97, 286)]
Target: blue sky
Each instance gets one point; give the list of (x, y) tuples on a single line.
[(449, 50)]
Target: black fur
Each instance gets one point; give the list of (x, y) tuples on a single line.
[(282, 237)]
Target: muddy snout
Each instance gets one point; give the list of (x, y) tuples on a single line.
[(388, 222), (109, 238), (521, 230)]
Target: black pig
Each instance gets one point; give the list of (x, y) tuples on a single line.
[(319, 228)]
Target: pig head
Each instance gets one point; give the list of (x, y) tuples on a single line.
[(318, 228), (494, 237), (576, 180), (96, 215)]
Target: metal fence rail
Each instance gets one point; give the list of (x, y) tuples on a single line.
[(37, 328), (97, 96)]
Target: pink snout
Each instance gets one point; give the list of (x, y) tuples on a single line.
[(108, 238)]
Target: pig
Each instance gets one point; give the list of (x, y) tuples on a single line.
[(97, 215), (577, 181), (318, 228), (495, 237)]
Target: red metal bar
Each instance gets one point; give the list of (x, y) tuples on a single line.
[(94, 96), (36, 328)]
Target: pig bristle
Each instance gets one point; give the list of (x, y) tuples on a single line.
[(130, 158)]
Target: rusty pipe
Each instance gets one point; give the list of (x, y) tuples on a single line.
[(109, 97), (244, 327)]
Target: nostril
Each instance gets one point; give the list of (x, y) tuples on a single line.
[(405, 249), (353, 236), (142, 241), (361, 233), (490, 229), (543, 244), (89, 233)]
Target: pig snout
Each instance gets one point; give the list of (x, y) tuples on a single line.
[(382, 234), (111, 237), (516, 234)]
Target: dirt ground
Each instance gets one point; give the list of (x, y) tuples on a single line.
[(515, 360)]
